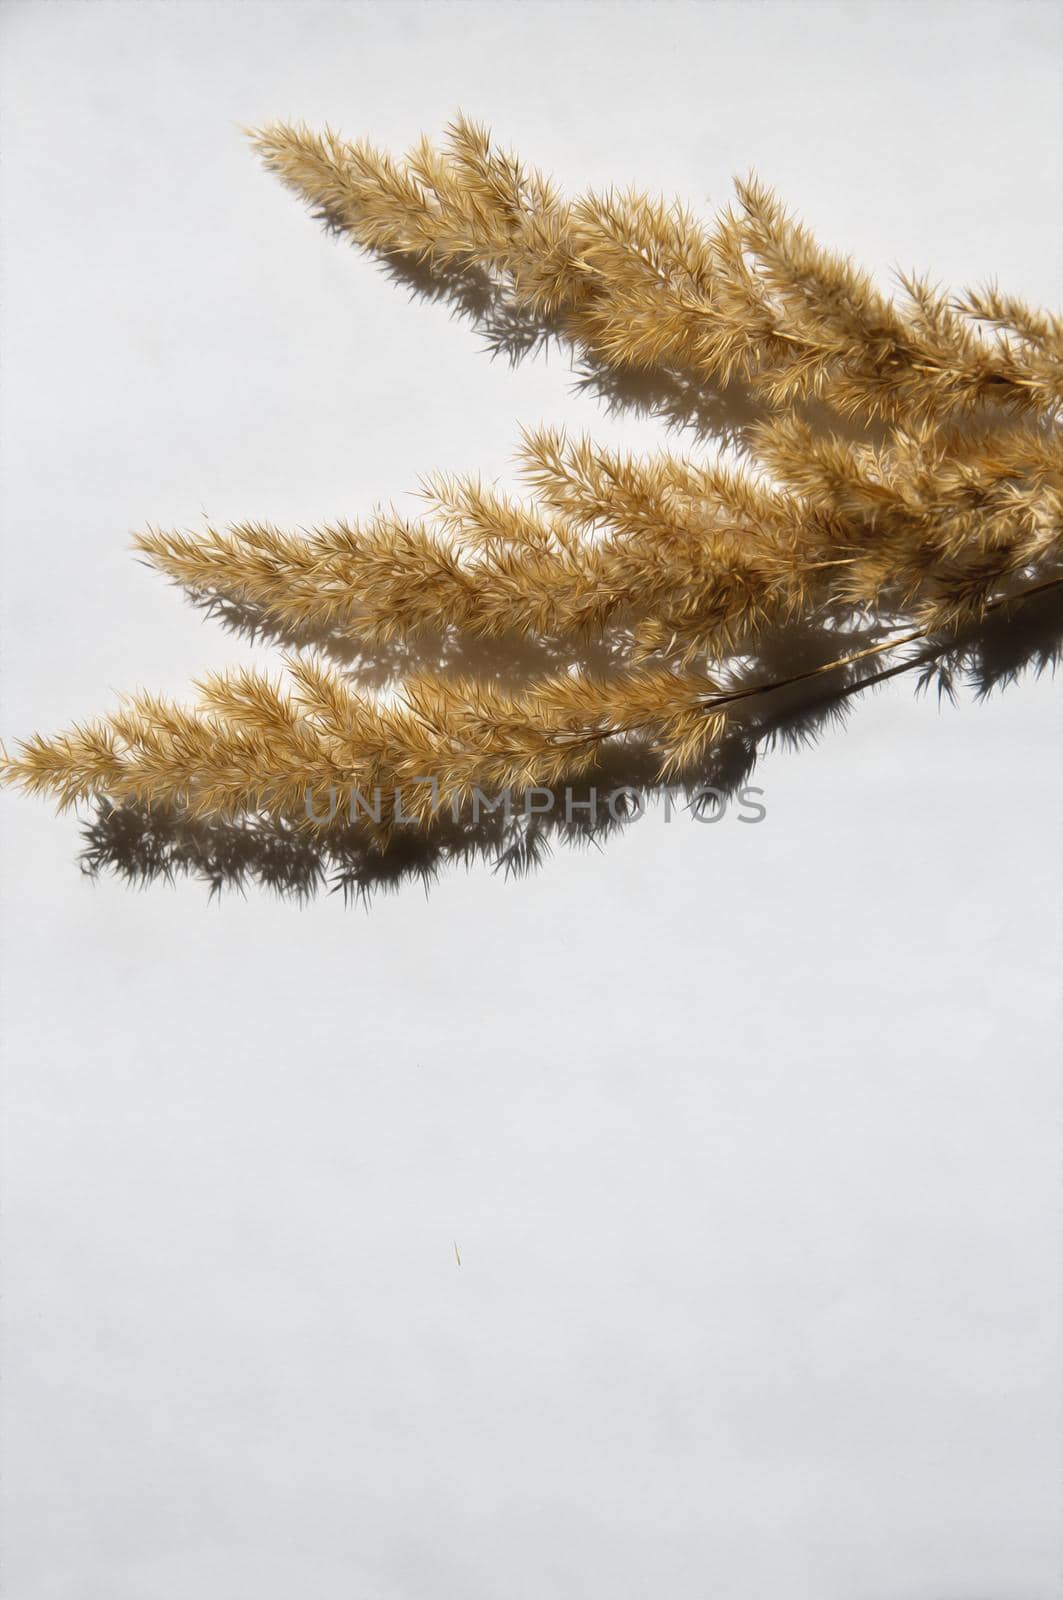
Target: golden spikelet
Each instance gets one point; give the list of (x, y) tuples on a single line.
[(643, 283), (660, 549), (252, 746)]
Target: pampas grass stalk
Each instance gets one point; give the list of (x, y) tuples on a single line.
[(640, 282), (689, 560), (680, 571), (254, 746)]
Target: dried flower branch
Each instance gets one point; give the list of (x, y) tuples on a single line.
[(250, 747), (690, 560), (642, 283), (688, 570)]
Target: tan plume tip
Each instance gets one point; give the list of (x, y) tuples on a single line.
[(642, 282)]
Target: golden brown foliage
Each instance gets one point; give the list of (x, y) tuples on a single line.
[(950, 507), (253, 745), (643, 283), (688, 560)]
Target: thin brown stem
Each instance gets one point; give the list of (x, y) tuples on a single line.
[(713, 701)]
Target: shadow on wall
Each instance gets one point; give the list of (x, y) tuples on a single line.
[(511, 333)]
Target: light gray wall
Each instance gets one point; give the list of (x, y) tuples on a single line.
[(748, 1137)]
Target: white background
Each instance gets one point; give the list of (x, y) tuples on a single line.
[(748, 1137)]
